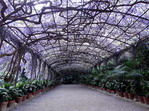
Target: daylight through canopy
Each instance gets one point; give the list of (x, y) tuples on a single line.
[(49, 36)]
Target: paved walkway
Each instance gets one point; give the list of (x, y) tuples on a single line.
[(77, 98)]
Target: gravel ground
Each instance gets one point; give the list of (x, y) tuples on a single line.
[(77, 98)]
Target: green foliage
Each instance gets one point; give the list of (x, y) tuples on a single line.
[(82, 79), (120, 86), (110, 85), (10, 91), (15, 92), (4, 96), (146, 88), (142, 57), (129, 75), (21, 86), (7, 85), (30, 87), (45, 83), (117, 73), (37, 85)]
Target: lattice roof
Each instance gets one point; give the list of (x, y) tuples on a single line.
[(76, 33)]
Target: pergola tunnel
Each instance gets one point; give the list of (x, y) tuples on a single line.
[(98, 44)]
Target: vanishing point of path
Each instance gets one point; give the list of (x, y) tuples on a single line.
[(77, 98)]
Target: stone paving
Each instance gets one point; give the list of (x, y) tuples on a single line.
[(78, 98)]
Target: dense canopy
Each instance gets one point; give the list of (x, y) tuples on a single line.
[(68, 34)]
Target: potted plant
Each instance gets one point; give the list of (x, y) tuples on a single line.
[(38, 85), (19, 96), (113, 91), (137, 82), (11, 93), (140, 98), (120, 88), (139, 94), (125, 95), (103, 84), (29, 88), (130, 93), (14, 92), (11, 103), (4, 99), (13, 96), (22, 86), (139, 91), (146, 98), (146, 90), (50, 84), (33, 87), (108, 86), (45, 84)]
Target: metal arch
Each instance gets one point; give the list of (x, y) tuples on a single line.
[(83, 23), (63, 54), (75, 65), (78, 45), (71, 60)]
